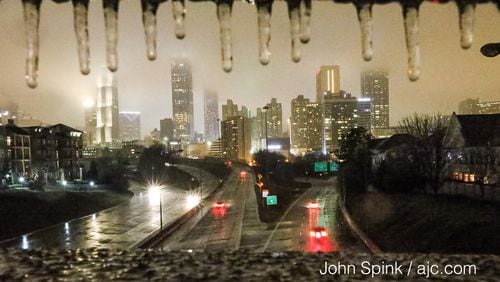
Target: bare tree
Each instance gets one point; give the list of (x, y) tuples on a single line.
[(429, 154), (483, 164)]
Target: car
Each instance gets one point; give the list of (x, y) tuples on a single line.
[(313, 205), (219, 205), (318, 232)]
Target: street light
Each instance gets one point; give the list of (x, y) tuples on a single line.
[(155, 189)]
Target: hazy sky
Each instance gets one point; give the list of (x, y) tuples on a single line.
[(449, 74)]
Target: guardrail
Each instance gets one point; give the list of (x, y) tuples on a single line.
[(372, 247)]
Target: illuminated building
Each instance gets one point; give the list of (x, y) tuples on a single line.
[(229, 110), (211, 110), (375, 85), (182, 99), (474, 106), (274, 117), (167, 130), (306, 124), (327, 80), (236, 139), (339, 116), (107, 117)]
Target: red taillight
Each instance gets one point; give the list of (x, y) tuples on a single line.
[(323, 234), (312, 233)]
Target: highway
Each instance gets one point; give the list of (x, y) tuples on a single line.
[(237, 226), (119, 227), (217, 228)]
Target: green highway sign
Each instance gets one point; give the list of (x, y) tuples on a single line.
[(334, 166), (272, 200), (320, 166)]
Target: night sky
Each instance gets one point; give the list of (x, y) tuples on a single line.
[(449, 74)]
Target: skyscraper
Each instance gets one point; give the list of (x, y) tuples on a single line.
[(375, 85), (236, 141), (107, 118), (327, 80), (182, 99), (306, 126), (229, 110), (167, 130), (130, 126), (274, 116), (90, 123), (339, 115), (363, 113), (211, 116)]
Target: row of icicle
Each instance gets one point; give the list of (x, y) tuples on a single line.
[(299, 13)]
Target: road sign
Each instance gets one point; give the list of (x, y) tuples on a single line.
[(259, 176), (334, 166), (272, 200), (320, 166), (260, 184), (265, 192)]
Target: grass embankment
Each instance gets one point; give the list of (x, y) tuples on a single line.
[(23, 211), (428, 223)]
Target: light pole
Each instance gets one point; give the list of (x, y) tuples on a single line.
[(267, 148), (157, 187)]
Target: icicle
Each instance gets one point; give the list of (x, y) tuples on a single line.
[(31, 10), (365, 21), (111, 23), (80, 13), (412, 42), (294, 15), (264, 22), (466, 25), (179, 11), (149, 9), (305, 22), (224, 16)]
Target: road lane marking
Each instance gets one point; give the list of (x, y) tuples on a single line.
[(266, 245)]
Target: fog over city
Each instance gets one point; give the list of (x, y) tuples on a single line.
[(449, 74)]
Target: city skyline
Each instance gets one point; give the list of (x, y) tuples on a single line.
[(59, 64)]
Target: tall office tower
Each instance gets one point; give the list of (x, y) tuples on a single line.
[(244, 112), (363, 113), (274, 117), (107, 124), (130, 126), (182, 99), (468, 106), (236, 139), (257, 130), (327, 80), (229, 110), (211, 116), (90, 123), (167, 130), (375, 85), (306, 126), (339, 112)]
